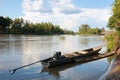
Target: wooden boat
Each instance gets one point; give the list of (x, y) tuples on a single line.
[(58, 59)]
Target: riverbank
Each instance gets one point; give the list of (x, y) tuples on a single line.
[(113, 72)]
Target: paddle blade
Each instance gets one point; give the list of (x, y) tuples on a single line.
[(12, 71)]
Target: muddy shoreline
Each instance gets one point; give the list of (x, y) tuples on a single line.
[(113, 72)]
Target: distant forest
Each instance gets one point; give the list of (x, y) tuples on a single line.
[(86, 29), (20, 26)]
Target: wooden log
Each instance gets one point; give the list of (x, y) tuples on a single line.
[(95, 57)]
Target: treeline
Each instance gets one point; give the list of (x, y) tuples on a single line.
[(86, 29), (20, 26)]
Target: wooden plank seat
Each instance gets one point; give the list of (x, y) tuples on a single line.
[(81, 52), (71, 55)]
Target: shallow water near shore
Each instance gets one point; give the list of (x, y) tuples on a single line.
[(19, 50)]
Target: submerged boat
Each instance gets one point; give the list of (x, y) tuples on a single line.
[(58, 59)]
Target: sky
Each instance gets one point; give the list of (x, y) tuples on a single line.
[(69, 14)]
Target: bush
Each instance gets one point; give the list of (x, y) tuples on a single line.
[(110, 42)]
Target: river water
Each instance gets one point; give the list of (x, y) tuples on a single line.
[(19, 50)]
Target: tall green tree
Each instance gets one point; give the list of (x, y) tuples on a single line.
[(114, 20), (114, 23), (57, 30), (84, 29), (5, 23), (17, 25), (27, 28)]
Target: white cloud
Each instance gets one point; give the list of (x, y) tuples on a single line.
[(37, 5), (98, 14), (30, 5), (64, 6), (26, 5), (64, 13)]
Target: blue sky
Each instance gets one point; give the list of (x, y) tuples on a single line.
[(69, 14)]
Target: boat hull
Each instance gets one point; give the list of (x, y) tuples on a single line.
[(58, 62), (50, 62)]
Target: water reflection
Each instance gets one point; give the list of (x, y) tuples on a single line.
[(62, 37), (18, 50), (34, 47), (55, 71), (27, 53), (90, 40), (85, 41), (10, 44), (109, 59)]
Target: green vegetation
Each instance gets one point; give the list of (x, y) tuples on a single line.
[(86, 29), (110, 40), (114, 24), (20, 26), (4, 23)]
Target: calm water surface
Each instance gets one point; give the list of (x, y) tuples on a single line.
[(18, 50)]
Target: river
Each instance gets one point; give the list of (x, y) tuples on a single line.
[(19, 50)]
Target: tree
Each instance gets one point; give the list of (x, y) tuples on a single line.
[(27, 28), (114, 23), (17, 25), (115, 18), (97, 31), (57, 30), (84, 29), (4, 23)]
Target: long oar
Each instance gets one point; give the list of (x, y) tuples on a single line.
[(13, 70)]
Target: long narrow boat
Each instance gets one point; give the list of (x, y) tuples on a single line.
[(58, 59)]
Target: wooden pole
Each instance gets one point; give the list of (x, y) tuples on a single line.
[(14, 70)]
